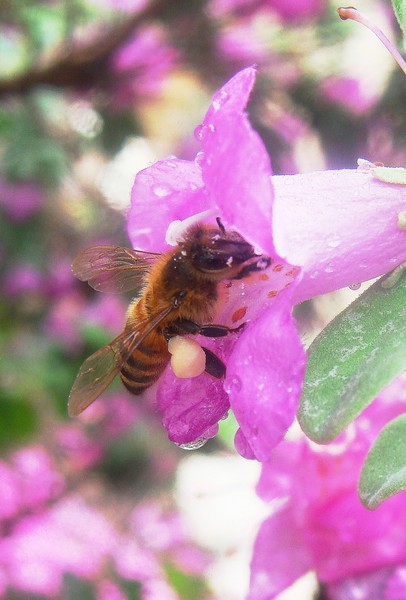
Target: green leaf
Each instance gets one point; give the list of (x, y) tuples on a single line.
[(188, 587), (78, 589), (18, 420), (384, 471), (227, 429), (399, 7), (353, 358)]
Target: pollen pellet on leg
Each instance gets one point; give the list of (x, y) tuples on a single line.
[(188, 357)]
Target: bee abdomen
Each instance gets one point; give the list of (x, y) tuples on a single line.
[(143, 368)]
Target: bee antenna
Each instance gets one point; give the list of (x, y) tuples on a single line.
[(220, 224)]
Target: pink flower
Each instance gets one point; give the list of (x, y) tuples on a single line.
[(288, 10), (71, 537), (140, 66), (23, 279), (323, 230), (39, 479), (20, 200), (349, 93), (320, 523), (292, 10)]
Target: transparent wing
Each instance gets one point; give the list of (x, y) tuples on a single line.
[(99, 370), (112, 268)]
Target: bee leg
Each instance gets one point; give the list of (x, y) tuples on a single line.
[(260, 264), (186, 326), (214, 365)]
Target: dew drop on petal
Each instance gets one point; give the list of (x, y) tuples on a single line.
[(354, 286), (199, 159), (202, 132), (234, 385), (198, 132), (161, 190), (171, 164), (195, 445), (334, 242), (220, 99)]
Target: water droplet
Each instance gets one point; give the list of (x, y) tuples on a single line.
[(354, 286), (171, 164), (329, 268), (334, 242), (199, 159), (219, 100), (198, 132), (234, 385), (203, 131), (195, 445), (363, 264), (161, 190)]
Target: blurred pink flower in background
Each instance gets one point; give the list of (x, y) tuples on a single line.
[(288, 10), (68, 537), (20, 199), (73, 311), (349, 93), (292, 10), (317, 521), (140, 65), (48, 533), (325, 226), (23, 279)]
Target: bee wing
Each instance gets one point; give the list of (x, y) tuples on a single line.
[(99, 370), (112, 268)]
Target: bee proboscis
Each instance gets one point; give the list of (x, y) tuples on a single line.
[(179, 290)]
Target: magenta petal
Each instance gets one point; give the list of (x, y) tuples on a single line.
[(396, 586), (190, 407), (279, 558), (340, 226), (236, 169), (242, 446), (264, 377), (168, 190), (232, 97), (235, 164)]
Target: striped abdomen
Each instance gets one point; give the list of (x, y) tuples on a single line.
[(147, 363)]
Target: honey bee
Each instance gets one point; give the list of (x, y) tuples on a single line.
[(179, 290)]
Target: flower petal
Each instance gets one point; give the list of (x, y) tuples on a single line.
[(190, 407), (232, 97), (168, 190), (264, 377), (280, 556), (235, 164), (340, 226)]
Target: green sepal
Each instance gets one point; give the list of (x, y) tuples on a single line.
[(399, 8), (384, 471), (395, 175), (353, 358)]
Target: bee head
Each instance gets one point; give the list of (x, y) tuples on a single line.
[(216, 252)]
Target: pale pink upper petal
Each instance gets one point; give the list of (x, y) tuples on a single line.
[(340, 226)]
